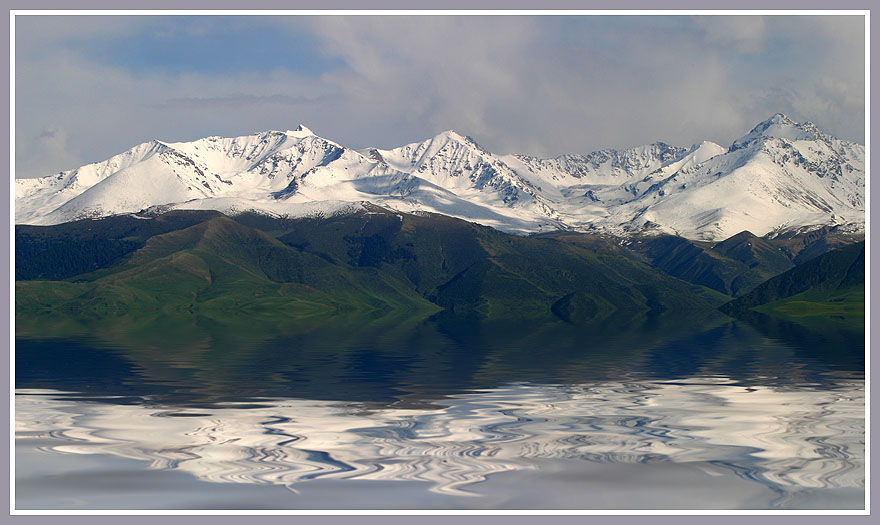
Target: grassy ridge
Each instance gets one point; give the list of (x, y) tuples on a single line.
[(70, 249), (467, 267), (213, 267), (829, 288), (736, 265), (375, 261), (732, 267)]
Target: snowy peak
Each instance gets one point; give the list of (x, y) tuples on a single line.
[(706, 150), (299, 131), (450, 134), (602, 167), (456, 162), (633, 162), (446, 143), (696, 155), (268, 152), (780, 126), (84, 177), (776, 119), (447, 153), (782, 174)]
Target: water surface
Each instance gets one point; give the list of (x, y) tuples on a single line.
[(441, 413)]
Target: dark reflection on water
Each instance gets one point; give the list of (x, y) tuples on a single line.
[(755, 413), (416, 360)]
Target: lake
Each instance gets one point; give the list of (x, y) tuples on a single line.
[(445, 412)]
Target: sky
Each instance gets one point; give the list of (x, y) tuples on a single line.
[(89, 87)]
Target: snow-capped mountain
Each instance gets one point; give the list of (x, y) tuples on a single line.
[(780, 175)]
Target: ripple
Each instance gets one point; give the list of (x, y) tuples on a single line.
[(787, 440)]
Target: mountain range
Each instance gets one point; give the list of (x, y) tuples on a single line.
[(781, 178), (376, 262)]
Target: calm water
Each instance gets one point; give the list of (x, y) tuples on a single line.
[(439, 413)]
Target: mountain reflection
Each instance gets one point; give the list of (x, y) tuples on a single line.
[(189, 361), (787, 439), (635, 412)]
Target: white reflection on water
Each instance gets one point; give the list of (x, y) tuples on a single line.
[(785, 439)]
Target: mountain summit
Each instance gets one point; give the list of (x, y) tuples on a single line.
[(781, 175), (780, 126)]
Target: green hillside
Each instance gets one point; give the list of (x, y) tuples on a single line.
[(800, 247), (70, 249), (215, 268), (828, 288), (733, 266), (463, 266), (375, 261)]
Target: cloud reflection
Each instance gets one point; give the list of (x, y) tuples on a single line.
[(786, 439)]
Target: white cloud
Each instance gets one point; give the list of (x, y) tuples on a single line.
[(741, 34), (538, 85), (51, 145), (547, 87), (106, 110)]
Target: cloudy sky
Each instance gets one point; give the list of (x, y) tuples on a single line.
[(88, 87)]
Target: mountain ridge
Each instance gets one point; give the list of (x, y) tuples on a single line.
[(781, 175), (373, 260)]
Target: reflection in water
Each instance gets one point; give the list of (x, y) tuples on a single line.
[(786, 440), (645, 412), (419, 360)]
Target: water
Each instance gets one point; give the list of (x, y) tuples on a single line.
[(440, 413)]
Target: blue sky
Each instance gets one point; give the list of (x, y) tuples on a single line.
[(214, 45), (88, 87)]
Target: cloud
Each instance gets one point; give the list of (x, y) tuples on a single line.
[(53, 149), (36, 34), (106, 110), (242, 100), (432, 73), (539, 85), (742, 34), (550, 85)]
